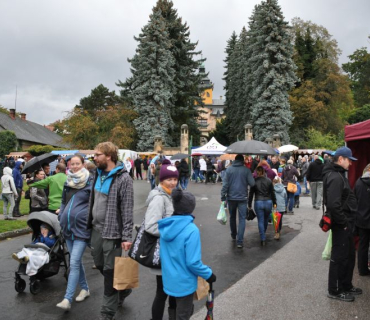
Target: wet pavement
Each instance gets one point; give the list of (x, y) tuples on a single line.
[(229, 263)]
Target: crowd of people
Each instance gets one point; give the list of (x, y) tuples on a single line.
[(95, 209)]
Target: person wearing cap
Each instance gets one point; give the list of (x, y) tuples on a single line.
[(160, 206), (235, 190), (180, 251), (341, 206), (314, 177)]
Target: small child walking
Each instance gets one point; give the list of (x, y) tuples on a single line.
[(180, 252), (281, 196), (297, 194)]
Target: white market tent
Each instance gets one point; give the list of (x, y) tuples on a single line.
[(212, 147)]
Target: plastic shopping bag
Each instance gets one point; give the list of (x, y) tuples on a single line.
[(327, 251), (221, 216)]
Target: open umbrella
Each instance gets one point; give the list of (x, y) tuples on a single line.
[(179, 156), (209, 303), (250, 147), (287, 148), (37, 162)]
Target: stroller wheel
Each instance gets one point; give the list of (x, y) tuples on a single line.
[(35, 287), (20, 285)]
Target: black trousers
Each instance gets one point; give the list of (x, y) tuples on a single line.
[(342, 261), (160, 301), (363, 249), (16, 211)]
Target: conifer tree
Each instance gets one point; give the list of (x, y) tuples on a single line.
[(152, 87), (272, 70)]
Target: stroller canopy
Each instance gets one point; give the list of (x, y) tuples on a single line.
[(35, 219)]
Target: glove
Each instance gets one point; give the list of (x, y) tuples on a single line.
[(223, 198), (212, 278)]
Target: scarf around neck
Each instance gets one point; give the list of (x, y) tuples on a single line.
[(79, 179)]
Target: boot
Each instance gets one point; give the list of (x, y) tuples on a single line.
[(171, 314)]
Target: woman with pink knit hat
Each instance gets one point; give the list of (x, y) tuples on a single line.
[(160, 206)]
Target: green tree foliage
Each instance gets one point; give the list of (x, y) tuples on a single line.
[(90, 122), (37, 150), (272, 70), (358, 70), (186, 79), (152, 84), (319, 140), (221, 133), (360, 114), (8, 142)]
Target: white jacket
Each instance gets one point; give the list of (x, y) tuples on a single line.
[(7, 182), (203, 164)]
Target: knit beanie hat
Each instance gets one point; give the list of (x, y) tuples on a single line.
[(168, 171), (183, 202)]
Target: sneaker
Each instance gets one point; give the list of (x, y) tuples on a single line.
[(354, 291), (123, 294), (83, 295), (277, 236), (240, 245), (233, 238), (23, 260), (344, 296), (65, 305)]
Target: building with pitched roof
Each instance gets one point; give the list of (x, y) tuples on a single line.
[(28, 133), (213, 109)]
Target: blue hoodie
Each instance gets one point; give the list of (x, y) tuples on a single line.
[(180, 252), (18, 180)]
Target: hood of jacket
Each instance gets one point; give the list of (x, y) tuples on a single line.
[(8, 171), (18, 165), (155, 192), (279, 188), (238, 163), (319, 162), (170, 228), (366, 181)]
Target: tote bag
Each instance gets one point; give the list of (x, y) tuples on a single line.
[(126, 273)]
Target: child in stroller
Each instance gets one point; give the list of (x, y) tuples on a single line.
[(35, 257), (47, 250)]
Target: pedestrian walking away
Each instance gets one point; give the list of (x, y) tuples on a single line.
[(341, 205), (304, 168), (235, 190), (18, 182), (289, 175), (181, 254), (8, 192), (73, 215), (110, 221), (160, 206), (314, 177)]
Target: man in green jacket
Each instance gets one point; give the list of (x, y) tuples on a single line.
[(55, 184)]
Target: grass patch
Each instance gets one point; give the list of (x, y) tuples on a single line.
[(24, 206), (9, 225)]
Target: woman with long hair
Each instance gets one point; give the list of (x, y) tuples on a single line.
[(73, 215), (39, 199)]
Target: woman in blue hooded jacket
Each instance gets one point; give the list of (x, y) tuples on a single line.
[(73, 215)]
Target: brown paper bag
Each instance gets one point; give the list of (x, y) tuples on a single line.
[(202, 290), (126, 273)]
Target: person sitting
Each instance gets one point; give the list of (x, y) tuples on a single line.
[(36, 257)]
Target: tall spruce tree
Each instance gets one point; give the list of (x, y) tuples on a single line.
[(187, 79), (272, 70), (152, 86)]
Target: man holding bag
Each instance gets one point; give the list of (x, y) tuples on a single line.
[(111, 220)]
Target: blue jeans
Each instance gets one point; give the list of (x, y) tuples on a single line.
[(289, 203), (152, 183), (263, 209), (196, 173), (76, 250), (305, 186), (184, 182), (242, 209)]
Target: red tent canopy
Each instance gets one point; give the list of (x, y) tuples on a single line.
[(357, 137)]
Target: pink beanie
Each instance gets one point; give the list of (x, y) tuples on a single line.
[(168, 171)]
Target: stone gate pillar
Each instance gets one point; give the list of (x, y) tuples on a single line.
[(184, 141), (248, 132)]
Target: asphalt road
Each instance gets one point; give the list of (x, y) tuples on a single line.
[(218, 251)]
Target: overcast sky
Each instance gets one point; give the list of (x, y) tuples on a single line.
[(56, 51)]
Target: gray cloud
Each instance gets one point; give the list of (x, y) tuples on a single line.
[(57, 51)]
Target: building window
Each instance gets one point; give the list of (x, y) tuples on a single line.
[(203, 123), (208, 95)]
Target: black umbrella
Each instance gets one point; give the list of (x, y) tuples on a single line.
[(179, 156), (37, 162), (250, 147)]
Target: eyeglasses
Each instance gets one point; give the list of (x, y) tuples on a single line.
[(98, 155)]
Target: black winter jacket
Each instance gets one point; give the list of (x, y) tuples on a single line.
[(183, 169), (362, 192), (340, 201), (262, 190), (314, 171)]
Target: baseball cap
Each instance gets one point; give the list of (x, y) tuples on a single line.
[(345, 152)]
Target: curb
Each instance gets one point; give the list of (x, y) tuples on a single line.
[(14, 233)]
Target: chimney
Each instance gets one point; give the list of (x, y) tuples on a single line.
[(12, 113), (23, 116)]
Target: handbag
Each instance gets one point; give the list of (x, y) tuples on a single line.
[(250, 214), (145, 249), (292, 187), (126, 273)]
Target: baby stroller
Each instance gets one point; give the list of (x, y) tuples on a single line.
[(57, 253)]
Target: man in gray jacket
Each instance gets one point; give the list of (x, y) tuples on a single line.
[(235, 190), (111, 220), (305, 166)]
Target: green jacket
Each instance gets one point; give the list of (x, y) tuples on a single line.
[(55, 184)]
